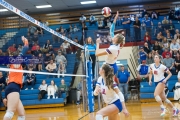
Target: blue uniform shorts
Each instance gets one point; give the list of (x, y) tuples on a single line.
[(114, 66), (12, 87), (118, 104)]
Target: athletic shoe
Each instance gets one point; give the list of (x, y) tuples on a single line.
[(56, 97), (26, 89), (163, 112), (176, 112), (48, 97), (31, 88), (53, 97), (77, 103)]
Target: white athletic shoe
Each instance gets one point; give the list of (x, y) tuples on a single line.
[(175, 112), (31, 88), (26, 89), (48, 97), (163, 112), (56, 97), (53, 97)]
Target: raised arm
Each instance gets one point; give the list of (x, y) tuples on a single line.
[(98, 53), (113, 25)]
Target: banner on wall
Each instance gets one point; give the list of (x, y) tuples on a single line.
[(105, 37)]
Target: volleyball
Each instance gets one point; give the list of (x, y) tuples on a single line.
[(106, 12)]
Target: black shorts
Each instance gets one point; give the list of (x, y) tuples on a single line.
[(12, 87)]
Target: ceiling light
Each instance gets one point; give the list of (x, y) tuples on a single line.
[(3, 10), (88, 2), (43, 6)]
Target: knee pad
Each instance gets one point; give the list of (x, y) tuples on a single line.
[(9, 115), (158, 99), (99, 117), (21, 118), (167, 101)]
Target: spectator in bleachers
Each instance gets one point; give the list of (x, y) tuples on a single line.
[(55, 38), (60, 58), (70, 29), (159, 29), (12, 48), (148, 22), (177, 14), (144, 13), (34, 47), (165, 44), (171, 27), (30, 80), (176, 34), (149, 59), (169, 37), (42, 90), (47, 59), (35, 38), (61, 89), (76, 28), (82, 19), (159, 37), (79, 91), (178, 38), (171, 15), (118, 21), (31, 66), (45, 47), (37, 51), (74, 47), (63, 51), (142, 54), (51, 52), (126, 25), (61, 68), (165, 21), (66, 46), (169, 62), (31, 29), (177, 62), (157, 48), (91, 46), (108, 24), (2, 82), (137, 29), (51, 67), (146, 48), (154, 15), (147, 38), (52, 88), (143, 71), (92, 20), (39, 65), (174, 46), (177, 86), (166, 51), (19, 48), (124, 78), (39, 30), (100, 23)]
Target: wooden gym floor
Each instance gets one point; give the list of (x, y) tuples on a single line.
[(138, 111)]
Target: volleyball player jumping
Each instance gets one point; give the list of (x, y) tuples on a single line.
[(158, 70), (113, 51), (13, 89), (111, 94)]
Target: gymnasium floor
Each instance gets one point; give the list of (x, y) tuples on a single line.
[(138, 111)]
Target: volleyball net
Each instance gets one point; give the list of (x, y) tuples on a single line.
[(16, 23)]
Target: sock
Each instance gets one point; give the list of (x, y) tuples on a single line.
[(162, 107)]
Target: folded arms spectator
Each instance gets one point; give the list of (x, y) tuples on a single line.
[(143, 71), (30, 80)]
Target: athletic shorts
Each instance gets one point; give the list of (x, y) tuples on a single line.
[(114, 66), (118, 104), (156, 83), (12, 87)]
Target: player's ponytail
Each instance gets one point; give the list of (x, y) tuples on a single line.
[(120, 39), (108, 73)]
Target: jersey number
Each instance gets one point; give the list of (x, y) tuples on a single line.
[(155, 72), (117, 55)]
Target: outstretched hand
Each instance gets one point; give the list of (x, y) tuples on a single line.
[(98, 41), (126, 113)]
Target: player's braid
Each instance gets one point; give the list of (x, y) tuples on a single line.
[(120, 38), (109, 73)]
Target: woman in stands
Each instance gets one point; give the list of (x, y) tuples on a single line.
[(157, 69), (113, 51), (111, 94)]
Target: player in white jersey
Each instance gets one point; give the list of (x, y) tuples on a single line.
[(111, 94), (158, 70), (113, 51)]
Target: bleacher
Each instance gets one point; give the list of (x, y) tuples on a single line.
[(30, 97)]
